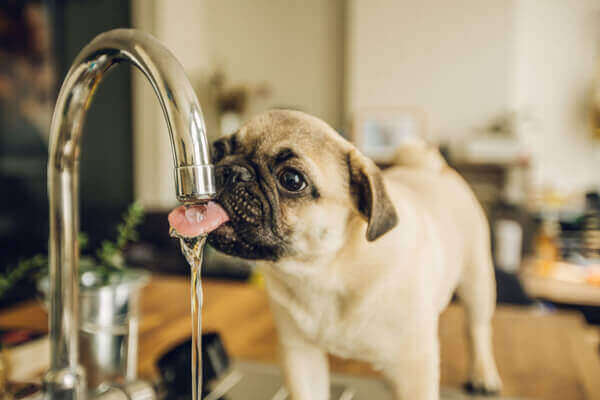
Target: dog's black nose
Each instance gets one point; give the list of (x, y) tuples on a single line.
[(232, 174)]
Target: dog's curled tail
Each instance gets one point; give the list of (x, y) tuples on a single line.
[(416, 153)]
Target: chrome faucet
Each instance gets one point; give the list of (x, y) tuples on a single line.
[(194, 177)]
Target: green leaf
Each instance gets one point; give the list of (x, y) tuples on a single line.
[(109, 257), (127, 229), (29, 267), (83, 239)]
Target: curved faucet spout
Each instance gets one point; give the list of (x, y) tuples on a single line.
[(194, 178)]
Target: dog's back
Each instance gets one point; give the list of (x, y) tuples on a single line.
[(443, 194)]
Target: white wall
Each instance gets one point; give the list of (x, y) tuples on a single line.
[(467, 61), (556, 61), (448, 58), (463, 62), (296, 47)]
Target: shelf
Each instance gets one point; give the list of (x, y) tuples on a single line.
[(559, 291)]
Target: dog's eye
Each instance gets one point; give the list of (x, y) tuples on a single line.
[(292, 180)]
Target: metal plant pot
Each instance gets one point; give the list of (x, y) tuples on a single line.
[(108, 326)]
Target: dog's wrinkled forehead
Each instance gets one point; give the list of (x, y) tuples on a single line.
[(273, 132), (277, 138)]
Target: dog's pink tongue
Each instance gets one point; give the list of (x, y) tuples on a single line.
[(192, 221)]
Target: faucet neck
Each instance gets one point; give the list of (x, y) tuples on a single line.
[(194, 178)]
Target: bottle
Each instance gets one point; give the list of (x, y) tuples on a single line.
[(546, 245), (508, 226), (508, 238), (591, 226)]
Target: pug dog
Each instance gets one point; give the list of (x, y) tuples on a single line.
[(357, 262)]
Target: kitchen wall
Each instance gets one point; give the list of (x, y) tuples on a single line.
[(469, 61), (556, 62), (448, 59), (463, 63), (295, 47)]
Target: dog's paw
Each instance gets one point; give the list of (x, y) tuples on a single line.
[(484, 380), (484, 384), (480, 390)]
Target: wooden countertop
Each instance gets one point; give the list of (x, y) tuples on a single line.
[(539, 355)]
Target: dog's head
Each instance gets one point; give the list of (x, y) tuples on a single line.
[(290, 185)]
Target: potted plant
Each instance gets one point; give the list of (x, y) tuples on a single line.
[(108, 302)]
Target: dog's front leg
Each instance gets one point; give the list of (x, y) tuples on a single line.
[(305, 365), (415, 374), (306, 371)]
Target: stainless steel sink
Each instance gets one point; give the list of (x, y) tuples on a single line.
[(255, 381)]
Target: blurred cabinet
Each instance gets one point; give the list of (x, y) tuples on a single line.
[(490, 181)]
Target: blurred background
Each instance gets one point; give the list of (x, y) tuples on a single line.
[(508, 89)]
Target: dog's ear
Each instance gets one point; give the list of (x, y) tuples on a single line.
[(224, 146), (369, 194)]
